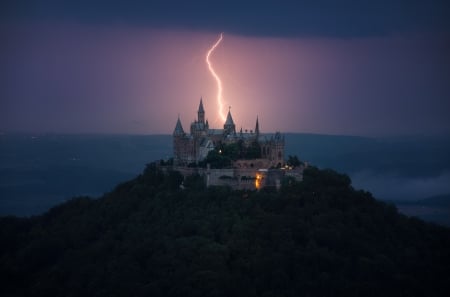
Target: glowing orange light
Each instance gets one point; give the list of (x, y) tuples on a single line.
[(258, 181), (217, 78)]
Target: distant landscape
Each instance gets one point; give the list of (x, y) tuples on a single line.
[(41, 171)]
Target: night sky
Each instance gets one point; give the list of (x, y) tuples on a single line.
[(372, 68)]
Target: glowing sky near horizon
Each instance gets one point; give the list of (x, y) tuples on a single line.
[(96, 79)]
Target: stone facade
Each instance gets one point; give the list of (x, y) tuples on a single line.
[(243, 178)]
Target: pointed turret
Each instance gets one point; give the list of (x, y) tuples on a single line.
[(201, 112), (257, 127), (229, 120), (229, 124), (178, 131)]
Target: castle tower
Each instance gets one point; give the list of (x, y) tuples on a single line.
[(201, 112), (278, 148), (257, 128), (229, 126), (179, 143)]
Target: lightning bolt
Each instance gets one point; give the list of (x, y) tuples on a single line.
[(216, 77)]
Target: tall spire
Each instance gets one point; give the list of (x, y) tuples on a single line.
[(178, 131), (201, 112), (200, 107), (257, 126)]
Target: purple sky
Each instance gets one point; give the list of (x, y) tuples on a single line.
[(339, 70)]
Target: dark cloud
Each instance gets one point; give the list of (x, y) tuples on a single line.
[(112, 58), (345, 18)]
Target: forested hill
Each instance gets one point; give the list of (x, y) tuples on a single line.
[(149, 238)]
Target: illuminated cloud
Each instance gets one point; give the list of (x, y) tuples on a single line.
[(371, 68)]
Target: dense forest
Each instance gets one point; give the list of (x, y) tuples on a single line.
[(148, 237)]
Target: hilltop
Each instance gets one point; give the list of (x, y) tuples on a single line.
[(41, 171), (147, 237)]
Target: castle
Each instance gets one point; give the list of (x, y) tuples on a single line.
[(192, 148)]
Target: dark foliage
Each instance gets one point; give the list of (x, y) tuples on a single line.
[(224, 154), (293, 161), (216, 159), (150, 238)]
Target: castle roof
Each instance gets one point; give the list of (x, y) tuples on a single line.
[(178, 128), (229, 120), (215, 131), (198, 126), (200, 107)]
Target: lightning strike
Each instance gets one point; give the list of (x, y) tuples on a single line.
[(216, 77)]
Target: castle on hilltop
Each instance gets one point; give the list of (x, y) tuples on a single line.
[(192, 148)]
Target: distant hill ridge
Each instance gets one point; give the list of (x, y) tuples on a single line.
[(434, 201), (40, 171), (438, 200), (147, 237)]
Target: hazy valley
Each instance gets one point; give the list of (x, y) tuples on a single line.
[(40, 171)]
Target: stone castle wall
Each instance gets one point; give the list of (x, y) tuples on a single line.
[(241, 178)]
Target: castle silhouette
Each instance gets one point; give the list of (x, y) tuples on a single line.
[(191, 148)]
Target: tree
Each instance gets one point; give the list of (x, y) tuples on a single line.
[(253, 151), (194, 182), (217, 159), (293, 161), (317, 237)]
